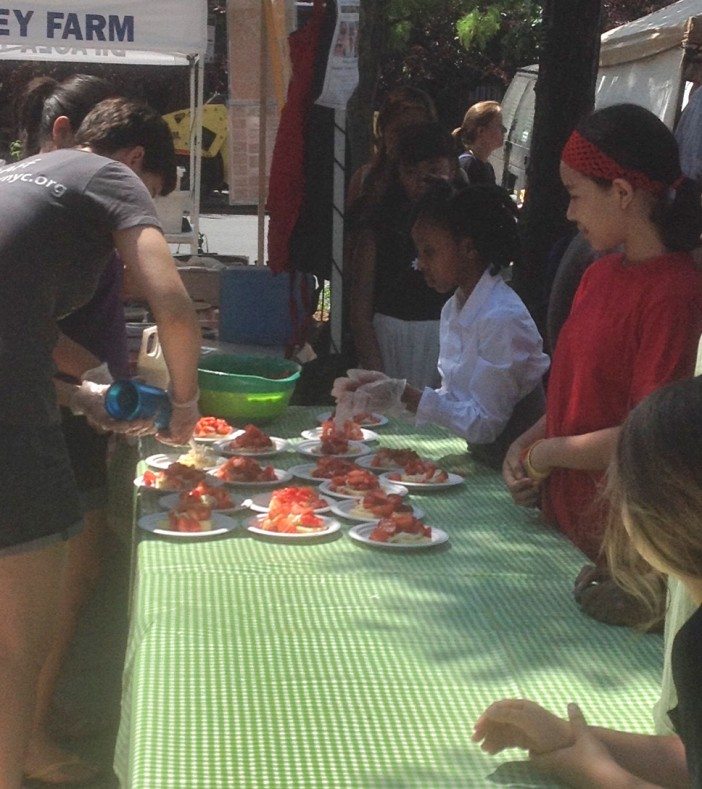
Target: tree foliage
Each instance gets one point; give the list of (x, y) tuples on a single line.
[(452, 47), (618, 12)]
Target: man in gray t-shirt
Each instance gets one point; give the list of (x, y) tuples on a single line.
[(62, 215), (59, 212)]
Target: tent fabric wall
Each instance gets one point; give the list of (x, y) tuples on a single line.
[(653, 81), (651, 34)]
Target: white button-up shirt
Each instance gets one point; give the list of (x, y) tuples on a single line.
[(491, 357)]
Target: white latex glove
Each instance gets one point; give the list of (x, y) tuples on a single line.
[(88, 400), (343, 389), (383, 395), (353, 379), (184, 417), (98, 375)]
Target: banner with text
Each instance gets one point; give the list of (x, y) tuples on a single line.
[(174, 27)]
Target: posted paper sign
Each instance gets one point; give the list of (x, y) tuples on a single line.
[(341, 76)]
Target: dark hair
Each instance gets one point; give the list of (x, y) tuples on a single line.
[(485, 213), (636, 139), (396, 105), (44, 100), (423, 141), (121, 123), (397, 102)]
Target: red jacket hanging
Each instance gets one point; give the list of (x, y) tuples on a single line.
[(287, 179)]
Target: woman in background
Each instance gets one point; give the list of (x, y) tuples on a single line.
[(479, 135), (394, 313)]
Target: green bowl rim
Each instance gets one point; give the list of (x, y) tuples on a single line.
[(288, 379)]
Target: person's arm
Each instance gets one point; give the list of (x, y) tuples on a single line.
[(582, 755), (362, 296), (657, 758), (502, 363), (524, 491), (587, 452), (146, 255), (71, 358), (356, 186)]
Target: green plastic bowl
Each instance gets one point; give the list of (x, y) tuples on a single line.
[(251, 388)]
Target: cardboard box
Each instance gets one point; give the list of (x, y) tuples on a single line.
[(201, 283)]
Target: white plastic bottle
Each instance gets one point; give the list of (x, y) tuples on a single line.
[(151, 366)]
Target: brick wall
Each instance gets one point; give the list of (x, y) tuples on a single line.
[(244, 39)]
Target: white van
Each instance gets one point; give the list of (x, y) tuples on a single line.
[(641, 62)]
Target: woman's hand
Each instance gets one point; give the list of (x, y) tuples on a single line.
[(586, 763), (184, 417), (524, 491), (519, 723)]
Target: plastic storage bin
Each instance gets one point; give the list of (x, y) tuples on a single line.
[(254, 305), (245, 388)]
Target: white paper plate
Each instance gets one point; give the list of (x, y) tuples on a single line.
[(362, 532), (163, 460), (315, 433), (279, 445), (171, 500), (314, 449), (331, 525), (261, 502), (139, 483), (343, 510), (157, 523), (388, 487), (214, 439), (304, 471), (382, 420), (281, 477), (453, 479), (365, 462)]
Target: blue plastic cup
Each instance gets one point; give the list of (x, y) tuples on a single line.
[(127, 401)]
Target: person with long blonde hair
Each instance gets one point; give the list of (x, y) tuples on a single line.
[(655, 494)]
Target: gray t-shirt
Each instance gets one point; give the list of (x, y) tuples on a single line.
[(57, 214)]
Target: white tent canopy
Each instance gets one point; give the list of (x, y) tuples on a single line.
[(121, 32), (642, 60), (649, 35)]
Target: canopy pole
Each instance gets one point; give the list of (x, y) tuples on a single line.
[(262, 124), (196, 149), (336, 306)]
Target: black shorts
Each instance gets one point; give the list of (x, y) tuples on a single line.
[(38, 494), (87, 450)]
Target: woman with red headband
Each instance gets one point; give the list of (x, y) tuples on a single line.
[(634, 326)]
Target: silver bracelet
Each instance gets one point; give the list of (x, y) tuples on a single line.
[(188, 404)]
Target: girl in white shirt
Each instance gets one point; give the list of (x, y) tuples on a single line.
[(491, 359)]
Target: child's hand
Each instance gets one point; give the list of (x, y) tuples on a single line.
[(354, 379), (524, 491), (586, 763), (382, 396), (519, 723)]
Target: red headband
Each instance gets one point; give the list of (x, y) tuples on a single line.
[(586, 158)]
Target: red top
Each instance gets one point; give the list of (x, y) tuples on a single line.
[(286, 187), (631, 329)]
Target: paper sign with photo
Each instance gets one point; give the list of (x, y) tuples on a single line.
[(341, 75)]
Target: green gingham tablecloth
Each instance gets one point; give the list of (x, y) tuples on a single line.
[(260, 664)]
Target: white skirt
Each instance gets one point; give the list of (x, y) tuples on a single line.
[(410, 349)]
